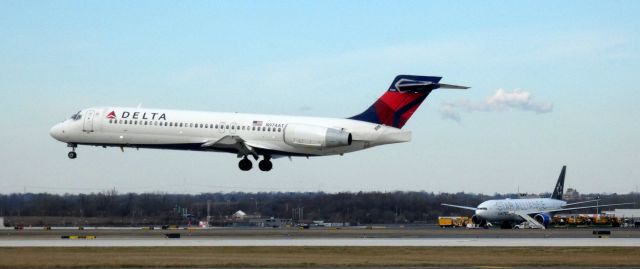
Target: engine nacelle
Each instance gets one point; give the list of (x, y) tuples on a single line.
[(543, 219), (316, 136), (478, 221)]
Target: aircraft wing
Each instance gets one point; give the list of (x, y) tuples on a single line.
[(583, 202), (460, 206), (565, 209), (232, 142)]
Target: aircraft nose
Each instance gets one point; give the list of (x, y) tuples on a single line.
[(57, 132), (481, 213)]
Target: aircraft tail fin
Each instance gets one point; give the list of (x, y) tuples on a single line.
[(559, 190), (402, 99)]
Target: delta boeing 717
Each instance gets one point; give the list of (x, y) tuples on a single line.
[(251, 135)]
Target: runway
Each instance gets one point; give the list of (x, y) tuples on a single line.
[(327, 242)]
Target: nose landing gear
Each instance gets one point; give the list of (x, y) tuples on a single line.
[(72, 154)]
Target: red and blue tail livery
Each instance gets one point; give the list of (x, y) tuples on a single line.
[(401, 100)]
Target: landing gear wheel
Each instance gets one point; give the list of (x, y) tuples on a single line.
[(72, 155), (265, 165), (245, 164)]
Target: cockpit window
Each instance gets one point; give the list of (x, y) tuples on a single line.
[(76, 116), (482, 208)]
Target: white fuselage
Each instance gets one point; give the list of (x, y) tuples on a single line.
[(504, 209), (189, 130)]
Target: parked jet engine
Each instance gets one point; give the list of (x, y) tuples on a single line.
[(543, 219)]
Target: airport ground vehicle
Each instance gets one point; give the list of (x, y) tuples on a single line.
[(454, 221)]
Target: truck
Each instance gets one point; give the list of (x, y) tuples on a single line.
[(453, 221)]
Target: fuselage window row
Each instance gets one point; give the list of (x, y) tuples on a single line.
[(196, 125)]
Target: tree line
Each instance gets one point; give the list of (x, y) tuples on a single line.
[(345, 207)]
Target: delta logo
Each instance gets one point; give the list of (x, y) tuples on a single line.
[(138, 115)]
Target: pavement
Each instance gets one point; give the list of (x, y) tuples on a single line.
[(352, 236), (329, 242)]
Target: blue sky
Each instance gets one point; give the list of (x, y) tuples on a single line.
[(328, 58)]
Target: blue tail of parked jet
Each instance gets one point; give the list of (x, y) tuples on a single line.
[(559, 190)]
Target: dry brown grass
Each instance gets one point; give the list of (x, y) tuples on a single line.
[(314, 257)]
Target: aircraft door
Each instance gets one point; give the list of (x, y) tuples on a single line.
[(88, 121)]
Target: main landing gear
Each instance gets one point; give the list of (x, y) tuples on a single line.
[(264, 165), (245, 164), (72, 154)]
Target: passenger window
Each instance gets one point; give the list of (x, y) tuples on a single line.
[(206, 125), (216, 126), (264, 128), (200, 125), (253, 128), (145, 122), (227, 127), (279, 130), (269, 129), (181, 124)]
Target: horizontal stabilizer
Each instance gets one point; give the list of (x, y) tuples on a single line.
[(449, 86)]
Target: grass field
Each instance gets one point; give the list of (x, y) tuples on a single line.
[(314, 257)]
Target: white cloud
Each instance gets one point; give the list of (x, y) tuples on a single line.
[(501, 100)]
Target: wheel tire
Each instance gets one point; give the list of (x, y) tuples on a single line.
[(265, 165), (72, 155), (245, 164)]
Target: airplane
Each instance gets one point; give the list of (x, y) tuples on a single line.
[(536, 211), (270, 136)]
